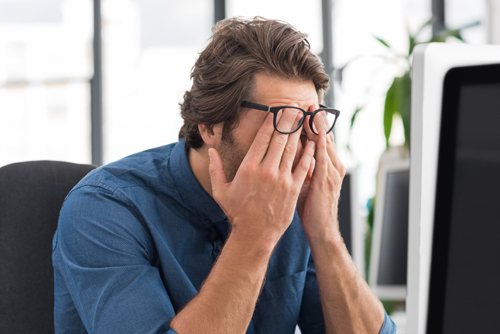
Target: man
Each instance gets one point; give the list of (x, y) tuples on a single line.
[(232, 229)]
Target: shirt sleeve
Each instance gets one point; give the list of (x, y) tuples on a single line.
[(388, 327), (105, 255)]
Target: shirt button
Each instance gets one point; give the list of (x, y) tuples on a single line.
[(217, 246), (217, 249)]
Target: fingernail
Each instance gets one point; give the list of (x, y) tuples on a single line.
[(210, 153)]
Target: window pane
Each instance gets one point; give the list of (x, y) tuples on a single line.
[(462, 12), (367, 77), (45, 66), (149, 47), (305, 16)]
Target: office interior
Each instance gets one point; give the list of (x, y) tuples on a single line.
[(92, 81)]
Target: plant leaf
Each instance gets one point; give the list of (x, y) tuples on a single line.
[(368, 235), (392, 102), (382, 41), (453, 33), (443, 35), (413, 38), (422, 27), (353, 118), (469, 25), (457, 34), (412, 43), (439, 38), (405, 106)]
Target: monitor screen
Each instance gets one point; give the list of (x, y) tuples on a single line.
[(349, 217), (394, 236), (345, 212), (464, 295)]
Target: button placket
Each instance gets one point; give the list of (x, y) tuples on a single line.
[(217, 248)]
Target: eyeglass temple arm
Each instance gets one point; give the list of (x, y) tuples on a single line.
[(252, 105)]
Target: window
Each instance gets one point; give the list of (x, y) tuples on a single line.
[(44, 71), (149, 48)]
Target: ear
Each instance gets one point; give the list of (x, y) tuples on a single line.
[(211, 137)]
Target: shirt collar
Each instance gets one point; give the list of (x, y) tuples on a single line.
[(192, 194)]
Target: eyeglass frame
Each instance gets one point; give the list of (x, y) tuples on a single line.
[(275, 110)]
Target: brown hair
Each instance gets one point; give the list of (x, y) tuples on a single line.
[(223, 75)]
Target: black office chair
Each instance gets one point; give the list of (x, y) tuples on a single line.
[(31, 195)]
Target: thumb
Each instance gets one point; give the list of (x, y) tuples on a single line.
[(217, 176)]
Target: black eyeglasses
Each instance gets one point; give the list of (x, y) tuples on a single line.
[(327, 122)]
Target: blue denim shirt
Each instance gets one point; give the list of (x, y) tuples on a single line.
[(137, 238)]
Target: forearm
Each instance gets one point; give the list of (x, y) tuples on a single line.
[(227, 299), (349, 306)]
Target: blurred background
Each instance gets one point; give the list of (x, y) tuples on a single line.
[(148, 47), (91, 82)]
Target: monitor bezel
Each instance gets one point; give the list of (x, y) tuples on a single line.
[(386, 292), (430, 62)]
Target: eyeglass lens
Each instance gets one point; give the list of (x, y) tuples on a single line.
[(288, 119), (323, 120)]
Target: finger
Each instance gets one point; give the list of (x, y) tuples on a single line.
[(311, 136), (299, 152), (307, 129), (320, 122), (332, 151), (311, 168), (321, 155), (261, 142), (330, 139), (279, 141), (293, 146), (300, 173), (217, 175)]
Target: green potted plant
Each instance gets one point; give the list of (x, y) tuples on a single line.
[(397, 103), (398, 96)]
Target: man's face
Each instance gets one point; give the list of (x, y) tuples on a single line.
[(270, 91)]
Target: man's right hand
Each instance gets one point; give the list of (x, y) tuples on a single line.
[(260, 203), (261, 200)]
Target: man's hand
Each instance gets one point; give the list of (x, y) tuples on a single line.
[(318, 200), (344, 293), (260, 201)]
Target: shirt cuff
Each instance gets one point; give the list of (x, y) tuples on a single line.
[(170, 331), (388, 327)]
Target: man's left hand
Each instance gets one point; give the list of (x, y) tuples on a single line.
[(317, 205)]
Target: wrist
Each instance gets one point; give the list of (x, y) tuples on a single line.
[(322, 232), (254, 244), (326, 241)]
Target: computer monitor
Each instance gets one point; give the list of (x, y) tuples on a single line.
[(388, 263), (454, 235), (350, 222)]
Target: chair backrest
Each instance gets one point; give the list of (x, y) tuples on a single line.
[(31, 195)]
